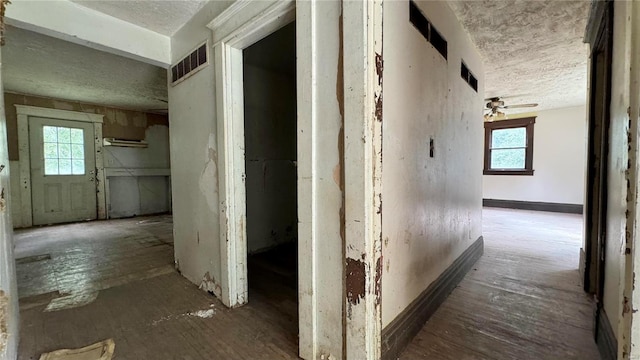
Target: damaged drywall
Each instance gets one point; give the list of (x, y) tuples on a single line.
[(118, 123), (210, 284), (139, 178)]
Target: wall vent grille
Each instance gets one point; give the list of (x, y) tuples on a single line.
[(427, 29), (190, 64), (467, 75)]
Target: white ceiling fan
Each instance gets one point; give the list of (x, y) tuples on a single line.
[(494, 106)]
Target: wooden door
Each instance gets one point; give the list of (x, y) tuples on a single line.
[(63, 171)]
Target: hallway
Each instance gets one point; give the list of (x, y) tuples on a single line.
[(522, 300)]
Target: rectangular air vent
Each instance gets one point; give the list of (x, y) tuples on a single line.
[(466, 74), (427, 29), (190, 64)]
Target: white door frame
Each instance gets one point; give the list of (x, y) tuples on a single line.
[(24, 113), (238, 27)]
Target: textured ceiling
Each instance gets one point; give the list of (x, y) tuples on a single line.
[(40, 65), (161, 16), (533, 50)]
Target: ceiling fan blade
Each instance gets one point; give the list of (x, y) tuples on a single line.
[(519, 106)]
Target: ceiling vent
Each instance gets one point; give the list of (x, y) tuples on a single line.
[(190, 64)]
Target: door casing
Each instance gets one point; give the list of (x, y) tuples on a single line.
[(24, 113)]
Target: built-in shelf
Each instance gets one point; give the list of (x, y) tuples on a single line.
[(112, 172)]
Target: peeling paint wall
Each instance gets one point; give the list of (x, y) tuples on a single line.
[(270, 138), (559, 154), (131, 192), (118, 123), (622, 253), (194, 160), (9, 316), (617, 190), (432, 205)]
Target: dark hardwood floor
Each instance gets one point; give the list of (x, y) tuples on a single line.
[(523, 299), (83, 283)]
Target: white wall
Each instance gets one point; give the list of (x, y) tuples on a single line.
[(9, 316), (137, 193), (194, 159), (559, 152), (431, 206)]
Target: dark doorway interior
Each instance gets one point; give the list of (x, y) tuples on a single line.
[(271, 173)]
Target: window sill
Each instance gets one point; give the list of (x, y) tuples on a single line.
[(508, 172)]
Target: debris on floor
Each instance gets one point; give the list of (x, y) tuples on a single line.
[(203, 314), (98, 351)]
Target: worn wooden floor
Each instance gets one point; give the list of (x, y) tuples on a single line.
[(83, 283), (523, 300)]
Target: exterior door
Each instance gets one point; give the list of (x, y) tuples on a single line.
[(63, 167)]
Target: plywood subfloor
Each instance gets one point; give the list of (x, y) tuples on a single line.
[(523, 299), (118, 280)]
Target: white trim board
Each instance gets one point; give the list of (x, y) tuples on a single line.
[(58, 114), (238, 27), (117, 172), (24, 113)]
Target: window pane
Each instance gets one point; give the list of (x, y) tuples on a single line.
[(64, 166), (77, 136), (77, 151), (508, 159), (508, 138), (64, 135), (51, 151), (50, 166), (64, 151), (50, 134), (78, 167)]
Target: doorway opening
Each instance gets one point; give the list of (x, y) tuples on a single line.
[(270, 129)]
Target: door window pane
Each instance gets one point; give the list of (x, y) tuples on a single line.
[(77, 151), (77, 136), (64, 135), (50, 150), (64, 166), (50, 134), (50, 166), (63, 150)]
